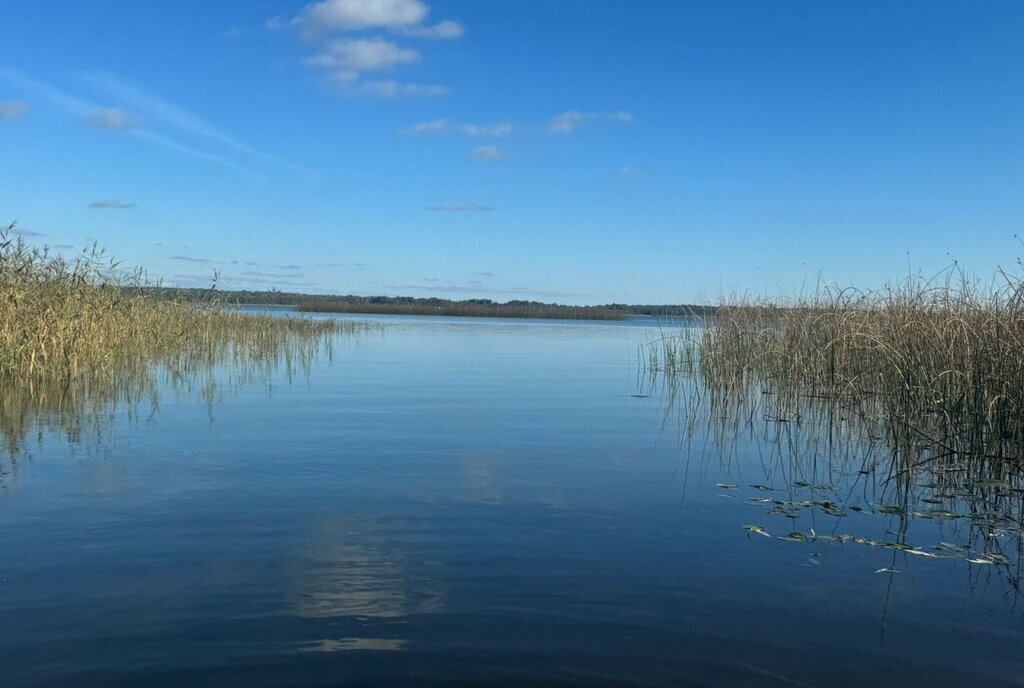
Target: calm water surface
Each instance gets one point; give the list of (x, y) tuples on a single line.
[(465, 502)]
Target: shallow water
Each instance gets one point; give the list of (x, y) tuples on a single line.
[(470, 502)]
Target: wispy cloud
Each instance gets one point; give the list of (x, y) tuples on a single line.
[(89, 112), (461, 208), (189, 259), (395, 89), (13, 109), (176, 116), (570, 121), (440, 126), (487, 153), (111, 205), (112, 118), (26, 232), (474, 287), (443, 30), (274, 275), (435, 126)]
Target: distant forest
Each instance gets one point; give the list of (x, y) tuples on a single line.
[(409, 305)]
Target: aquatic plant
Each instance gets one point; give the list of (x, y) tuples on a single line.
[(931, 363), (84, 333), (905, 403)]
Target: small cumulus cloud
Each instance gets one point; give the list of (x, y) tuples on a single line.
[(112, 118), (189, 259), (13, 109), (570, 121), (354, 15), (443, 125), (345, 60), (435, 126), (394, 89), (406, 17), (460, 208), (487, 153), (111, 205), (496, 129), (484, 274), (443, 30)]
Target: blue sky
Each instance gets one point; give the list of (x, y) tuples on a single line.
[(575, 151)]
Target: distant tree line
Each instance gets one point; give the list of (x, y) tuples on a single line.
[(411, 305)]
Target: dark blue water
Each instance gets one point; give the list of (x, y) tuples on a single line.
[(463, 502)]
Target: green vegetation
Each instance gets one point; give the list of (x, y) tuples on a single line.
[(79, 334), (936, 366), (410, 305), (473, 308)]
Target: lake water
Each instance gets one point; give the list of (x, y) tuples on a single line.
[(474, 502)]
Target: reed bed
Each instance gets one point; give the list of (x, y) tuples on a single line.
[(82, 334), (936, 366)]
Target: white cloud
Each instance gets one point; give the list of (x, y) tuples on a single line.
[(432, 127), (461, 208), (570, 121), (112, 118), (444, 30), (487, 153), (176, 116), (353, 15), (111, 205), (496, 129), (394, 89), (439, 126), (345, 59), (12, 109)]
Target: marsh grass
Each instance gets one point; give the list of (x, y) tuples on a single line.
[(80, 335), (935, 366), (906, 403)]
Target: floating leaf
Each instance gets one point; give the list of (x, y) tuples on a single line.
[(756, 529), (727, 486), (887, 509), (794, 537), (887, 570)]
